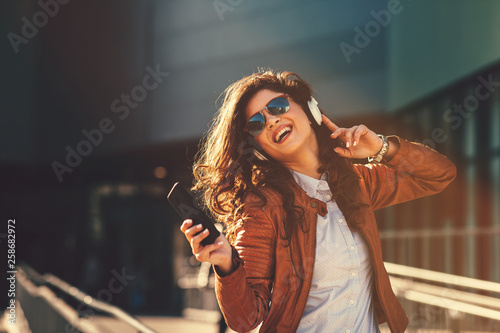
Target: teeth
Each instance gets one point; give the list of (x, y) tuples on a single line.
[(281, 132)]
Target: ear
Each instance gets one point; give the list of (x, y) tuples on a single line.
[(315, 111)]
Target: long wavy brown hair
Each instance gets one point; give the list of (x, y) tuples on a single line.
[(226, 169)]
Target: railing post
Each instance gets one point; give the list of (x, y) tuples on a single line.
[(456, 321)]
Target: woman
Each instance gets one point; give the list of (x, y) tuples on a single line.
[(302, 251)]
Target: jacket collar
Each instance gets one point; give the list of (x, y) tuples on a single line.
[(317, 205)]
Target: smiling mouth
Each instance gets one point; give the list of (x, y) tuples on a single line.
[(282, 134)]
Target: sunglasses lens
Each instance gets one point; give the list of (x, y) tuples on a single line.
[(278, 106), (256, 124)]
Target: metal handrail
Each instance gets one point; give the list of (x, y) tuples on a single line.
[(444, 278), (449, 304), (90, 301), (60, 307), (442, 296), (439, 233), (448, 293)]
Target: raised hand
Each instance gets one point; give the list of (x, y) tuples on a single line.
[(360, 142)]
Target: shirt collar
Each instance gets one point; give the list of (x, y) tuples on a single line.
[(309, 184)]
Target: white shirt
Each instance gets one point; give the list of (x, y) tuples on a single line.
[(340, 298)]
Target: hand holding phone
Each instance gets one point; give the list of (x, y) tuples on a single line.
[(186, 207)]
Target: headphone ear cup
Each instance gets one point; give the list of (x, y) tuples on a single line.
[(257, 150), (259, 155), (315, 111)]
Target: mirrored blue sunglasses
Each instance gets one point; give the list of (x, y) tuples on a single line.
[(275, 107)]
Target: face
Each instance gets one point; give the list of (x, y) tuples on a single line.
[(286, 135)]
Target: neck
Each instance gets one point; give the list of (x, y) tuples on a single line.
[(306, 158), (307, 163)]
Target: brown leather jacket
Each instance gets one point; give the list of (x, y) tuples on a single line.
[(272, 283)]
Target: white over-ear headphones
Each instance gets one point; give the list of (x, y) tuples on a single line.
[(315, 111)]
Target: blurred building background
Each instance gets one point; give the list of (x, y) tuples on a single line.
[(103, 104)]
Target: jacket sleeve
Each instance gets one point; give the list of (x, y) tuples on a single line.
[(244, 295), (414, 172)]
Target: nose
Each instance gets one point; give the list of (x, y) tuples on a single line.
[(272, 120)]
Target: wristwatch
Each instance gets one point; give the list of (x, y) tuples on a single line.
[(383, 151)]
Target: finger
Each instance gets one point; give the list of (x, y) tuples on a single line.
[(357, 134), (338, 132), (193, 231), (330, 124), (206, 252), (196, 240), (186, 224), (348, 137), (342, 152)]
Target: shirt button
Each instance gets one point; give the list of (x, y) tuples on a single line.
[(351, 302), (328, 197), (341, 221), (353, 274), (351, 248), (347, 331)]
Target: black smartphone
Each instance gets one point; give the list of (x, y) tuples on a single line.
[(186, 206)]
